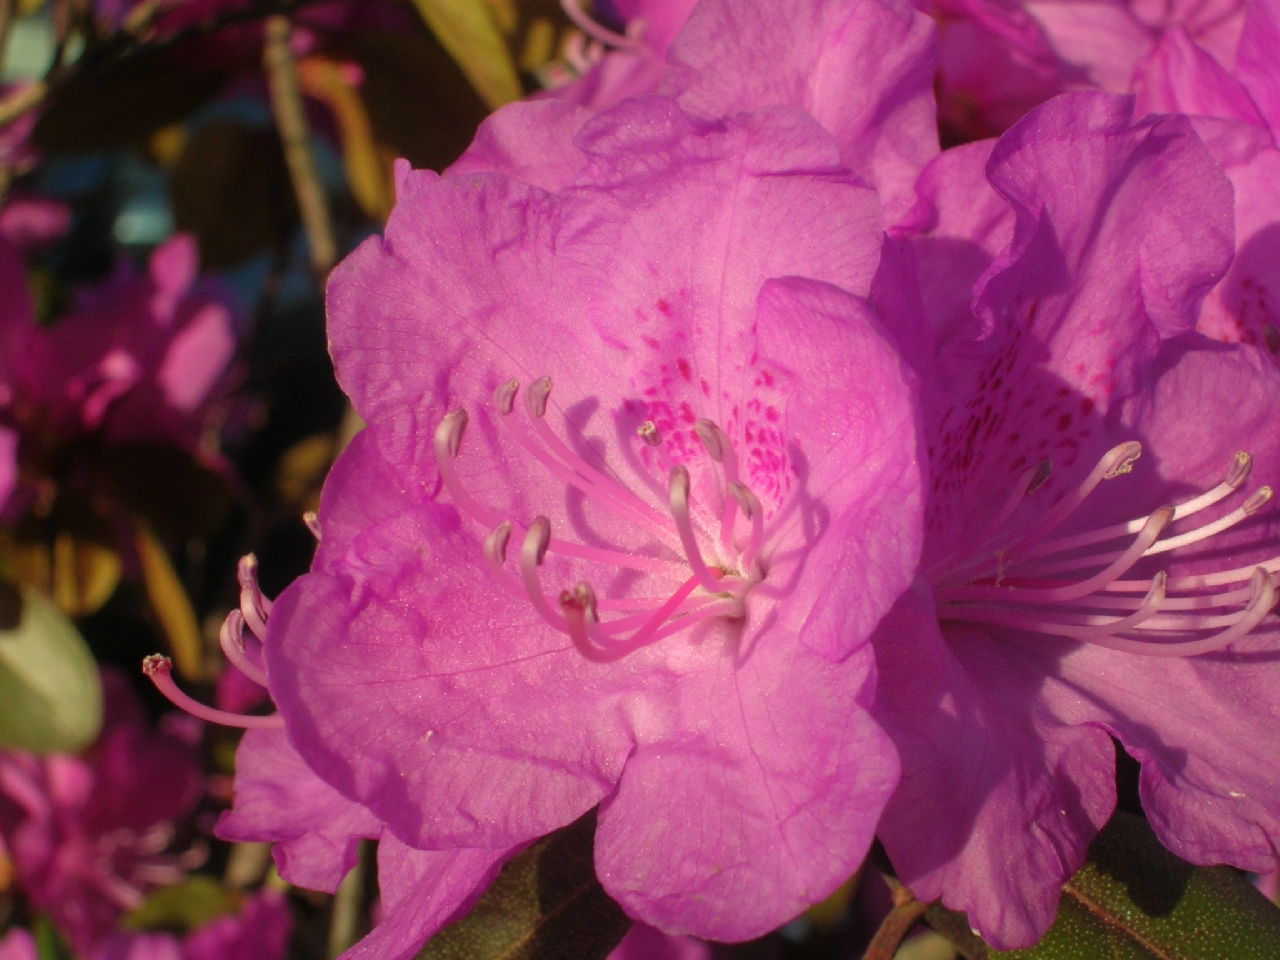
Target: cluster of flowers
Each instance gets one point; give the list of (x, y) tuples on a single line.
[(741, 464)]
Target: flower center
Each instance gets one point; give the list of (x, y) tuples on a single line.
[(1075, 586), (706, 591)]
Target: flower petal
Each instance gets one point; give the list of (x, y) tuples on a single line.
[(278, 799), (422, 891), (999, 797), (864, 69), (531, 141), (727, 830)]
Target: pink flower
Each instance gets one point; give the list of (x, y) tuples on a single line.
[(88, 835), (649, 588), (315, 830), (136, 360), (260, 931), (1100, 548)]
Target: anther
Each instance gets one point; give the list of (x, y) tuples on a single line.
[(1043, 469), (713, 439), (1119, 460), (679, 499), (532, 553), (312, 523), (648, 433), (448, 438), (1256, 501), (505, 395), (537, 395), (495, 545), (1240, 469), (751, 509)]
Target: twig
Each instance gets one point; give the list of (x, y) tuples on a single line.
[(7, 10), (907, 910), (291, 121)]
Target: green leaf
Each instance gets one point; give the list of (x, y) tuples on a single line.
[(471, 34), (50, 695), (183, 906), (546, 904), (49, 943), (1134, 900)]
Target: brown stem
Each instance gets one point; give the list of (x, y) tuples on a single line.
[(291, 121), (907, 910), (7, 10)]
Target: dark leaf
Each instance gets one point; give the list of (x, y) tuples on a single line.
[(231, 189), (1134, 900), (124, 102), (180, 497), (419, 103), (546, 904)]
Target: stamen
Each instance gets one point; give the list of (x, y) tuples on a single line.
[(607, 497), (532, 553), (1115, 462), (495, 555), (536, 397), (232, 640), (157, 667), (1031, 480), (679, 496), (1092, 630), (1240, 469), (505, 396), (1251, 506), (1150, 531), (579, 609), (253, 604), (720, 449), (313, 523), (1263, 600), (447, 441), (594, 30), (750, 505)]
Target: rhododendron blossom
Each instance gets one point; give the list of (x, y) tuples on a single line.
[(638, 483), (314, 829), (1101, 542)]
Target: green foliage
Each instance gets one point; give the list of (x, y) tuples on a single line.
[(184, 906), (50, 695), (1134, 900), (49, 945), (546, 904)]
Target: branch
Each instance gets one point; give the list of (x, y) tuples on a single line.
[(291, 121)]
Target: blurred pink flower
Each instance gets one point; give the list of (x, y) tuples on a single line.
[(136, 360), (89, 834)]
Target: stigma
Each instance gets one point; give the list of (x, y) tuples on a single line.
[(712, 558), (1107, 586)]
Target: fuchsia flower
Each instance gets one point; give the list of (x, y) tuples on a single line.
[(649, 587), (316, 830), (259, 932), (88, 835), (135, 361), (1111, 596)]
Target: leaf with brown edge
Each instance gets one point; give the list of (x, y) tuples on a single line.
[(545, 904)]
